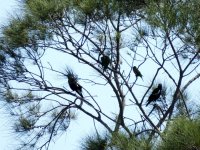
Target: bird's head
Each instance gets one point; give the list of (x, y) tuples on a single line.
[(160, 86), (105, 56), (134, 68), (71, 75)]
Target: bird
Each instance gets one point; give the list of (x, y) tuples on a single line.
[(137, 72), (73, 84), (105, 61), (155, 94)]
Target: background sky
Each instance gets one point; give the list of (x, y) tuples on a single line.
[(6, 138), (79, 128), (70, 140)]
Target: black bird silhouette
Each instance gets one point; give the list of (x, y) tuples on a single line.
[(105, 61), (73, 84), (137, 72), (155, 94)]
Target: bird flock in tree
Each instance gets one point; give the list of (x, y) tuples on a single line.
[(105, 61)]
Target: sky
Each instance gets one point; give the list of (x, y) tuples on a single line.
[(69, 140), (6, 137), (78, 129)]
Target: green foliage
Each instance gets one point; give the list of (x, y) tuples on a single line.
[(122, 142), (16, 34), (24, 124), (66, 115), (98, 10), (13, 97), (118, 141), (183, 98), (162, 14), (10, 96), (37, 22), (46, 10), (95, 10), (88, 30), (23, 32), (88, 6), (94, 143), (178, 16), (129, 7), (34, 109), (181, 134)]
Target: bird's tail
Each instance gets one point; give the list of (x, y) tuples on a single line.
[(80, 93), (148, 102), (142, 78)]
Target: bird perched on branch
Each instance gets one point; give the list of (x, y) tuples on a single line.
[(105, 61), (73, 84), (137, 72), (155, 94)]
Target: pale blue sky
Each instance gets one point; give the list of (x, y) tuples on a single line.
[(5, 122), (78, 129), (7, 137), (6, 7)]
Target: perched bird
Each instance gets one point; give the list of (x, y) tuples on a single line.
[(137, 72), (155, 94), (73, 84), (105, 61)]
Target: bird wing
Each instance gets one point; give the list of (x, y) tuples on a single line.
[(154, 95), (72, 85), (79, 90), (156, 91), (137, 72)]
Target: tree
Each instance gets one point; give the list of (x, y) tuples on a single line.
[(181, 133), (160, 37)]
